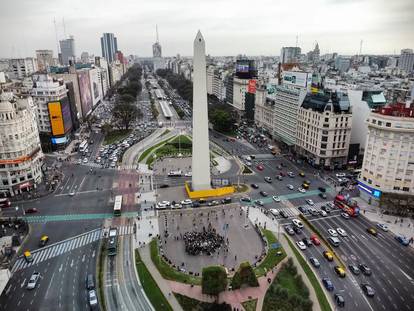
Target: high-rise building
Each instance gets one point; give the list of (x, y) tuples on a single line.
[(387, 175), (324, 129), (109, 46), (20, 153), (22, 67), (289, 54), (67, 50), (406, 61), (44, 60), (85, 58), (156, 47)]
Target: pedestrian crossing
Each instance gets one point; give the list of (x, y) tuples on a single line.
[(62, 247)]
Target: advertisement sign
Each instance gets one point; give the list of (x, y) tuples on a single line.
[(66, 114), (251, 88), (56, 119), (295, 78), (60, 140), (372, 191), (85, 92)]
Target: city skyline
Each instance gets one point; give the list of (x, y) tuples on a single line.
[(385, 30)]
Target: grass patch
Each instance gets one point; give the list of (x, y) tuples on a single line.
[(115, 135), (150, 149), (323, 301), (246, 170), (191, 304), (167, 271), (250, 305), (271, 259), (102, 255), (153, 292)]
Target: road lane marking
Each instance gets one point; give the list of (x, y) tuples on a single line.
[(24, 281)]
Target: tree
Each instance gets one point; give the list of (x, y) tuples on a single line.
[(124, 114), (244, 275), (222, 120), (214, 280), (91, 119), (127, 98)]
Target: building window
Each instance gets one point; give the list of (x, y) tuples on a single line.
[(396, 188), (323, 146), (388, 124), (324, 138), (406, 189), (380, 123)]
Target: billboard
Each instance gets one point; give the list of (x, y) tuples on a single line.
[(85, 92), (242, 67), (66, 114), (295, 78), (56, 118), (96, 89), (251, 88)]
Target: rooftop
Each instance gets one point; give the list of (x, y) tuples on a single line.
[(336, 101), (401, 110)]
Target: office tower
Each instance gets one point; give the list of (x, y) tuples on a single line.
[(67, 51), (109, 46), (289, 55), (44, 60), (201, 149), (406, 61), (22, 67)]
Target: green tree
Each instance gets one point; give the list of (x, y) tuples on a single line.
[(214, 280), (90, 120), (222, 120), (127, 98), (124, 114), (244, 275)]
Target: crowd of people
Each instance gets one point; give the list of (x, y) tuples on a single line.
[(205, 242)]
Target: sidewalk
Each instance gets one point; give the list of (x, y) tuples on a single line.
[(397, 225), (162, 284)]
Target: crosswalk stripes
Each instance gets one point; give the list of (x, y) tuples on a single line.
[(127, 167)]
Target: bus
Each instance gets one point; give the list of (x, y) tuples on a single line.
[(112, 241), (83, 146), (349, 206), (5, 202), (118, 205)]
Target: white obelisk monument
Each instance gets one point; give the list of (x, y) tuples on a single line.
[(201, 149)]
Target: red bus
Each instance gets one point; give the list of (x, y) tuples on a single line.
[(4, 202), (347, 205)]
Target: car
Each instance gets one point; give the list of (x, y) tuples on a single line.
[(315, 239), (254, 186), (186, 202), (297, 230), (383, 227), (297, 223), (354, 269), (93, 300), (85, 160), (90, 282), (289, 230), (301, 245), (245, 199), (276, 198), (31, 210), (345, 215), (341, 232), (334, 241), (284, 214), (310, 202), (259, 202), (302, 174), (290, 174), (71, 194), (278, 177), (301, 190), (260, 167), (313, 211), (290, 187), (315, 262), (79, 161), (163, 204), (368, 289), (303, 209), (339, 300), (188, 174), (274, 212), (164, 186), (322, 195), (307, 242), (268, 179), (31, 284), (263, 193), (323, 213), (196, 204), (328, 255), (332, 232), (328, 284), (402, 240), (176, 206), (372, 231), (340, 175), (365, 269), (340, 271), (224, 201), (322, 189), (43, 240), (213, 203)]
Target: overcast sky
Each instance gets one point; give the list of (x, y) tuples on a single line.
[(230, 27)]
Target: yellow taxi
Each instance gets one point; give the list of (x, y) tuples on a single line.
[(372, 231), (305, 186), (340, 271), (328, 255), (43, 240), (28, 256), (302, 174)]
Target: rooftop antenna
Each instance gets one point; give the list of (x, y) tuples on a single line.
[(156, 31), (64, 27), (56, 35)]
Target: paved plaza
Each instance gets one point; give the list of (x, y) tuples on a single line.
[(243, 242)]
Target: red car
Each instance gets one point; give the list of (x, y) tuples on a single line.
[(315, 240), (260, 167), (31, 210)]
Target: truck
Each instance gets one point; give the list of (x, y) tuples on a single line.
[(348, 205)]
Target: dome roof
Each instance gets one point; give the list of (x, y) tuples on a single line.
[(6, 106)]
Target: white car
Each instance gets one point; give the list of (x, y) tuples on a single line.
[(31, 284), (259, 202), (71, 194), (276, 198), (340, 175), (176, 205), (290, 187), (93, 300), (79, 161), (301, 245), (163, 204), (85, 160), (341, 232), (301, 190), (274, 212), (323, 213), (383, 227), (332, 232), (186, 202), (345, 215), (297, 223), (310, 202), (189, 174)]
